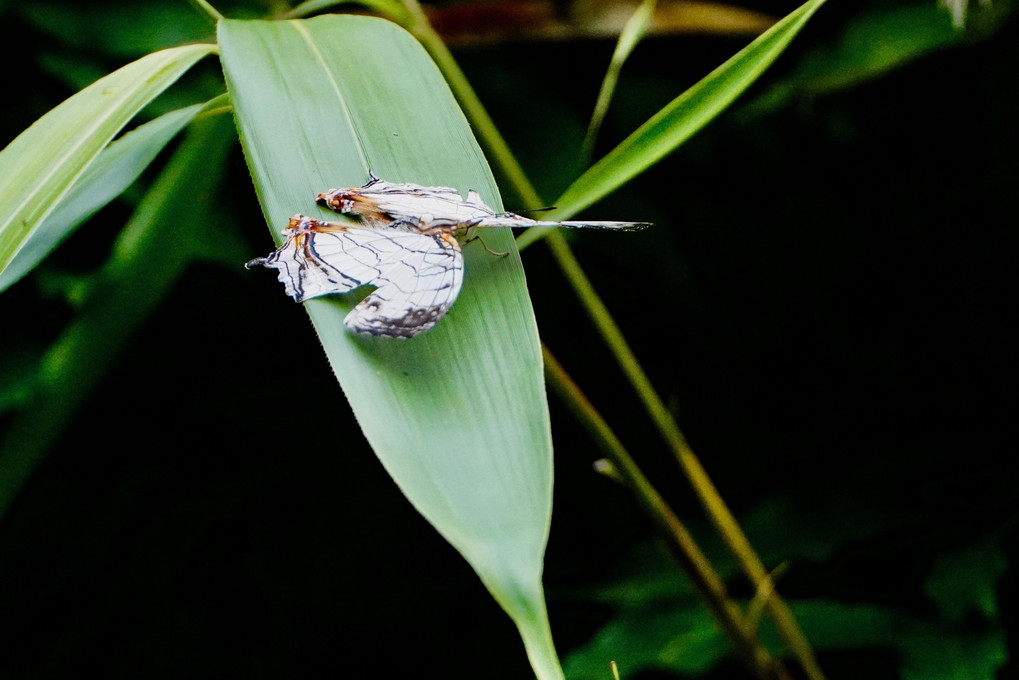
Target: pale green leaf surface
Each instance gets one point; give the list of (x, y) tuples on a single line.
[(115, 169), (682, 117), (38, 168), (457, 415)]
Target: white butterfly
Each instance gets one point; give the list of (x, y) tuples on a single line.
[(379, 202), (407, 246)]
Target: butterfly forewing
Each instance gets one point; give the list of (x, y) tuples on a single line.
[(319, 258), (379, 202), (417, 275)]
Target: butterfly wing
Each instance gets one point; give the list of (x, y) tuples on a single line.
[(417, 275), (379, 202), (421, 278), (319, 258)]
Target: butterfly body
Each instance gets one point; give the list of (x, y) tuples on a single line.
[(379, 202), (406, 243)]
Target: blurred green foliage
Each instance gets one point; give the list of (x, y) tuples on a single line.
[(826, 300)]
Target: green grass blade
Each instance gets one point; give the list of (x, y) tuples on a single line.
[(38, 168), (632, 33), (870, 44), (115, 169), (162, 237), (457, 415), (682, 117)]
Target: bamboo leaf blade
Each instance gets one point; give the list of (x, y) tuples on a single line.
[(870, 44), (40, 165), (457, 415), (682, 117), (162, 236), (113, 171)]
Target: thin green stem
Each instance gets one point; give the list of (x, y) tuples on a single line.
[(391, 9), (208, 10), (631, 34), (712, 501), (495, 147), (308, 8), (682, 545)]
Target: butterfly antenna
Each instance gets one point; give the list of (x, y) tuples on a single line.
[(536, 210)]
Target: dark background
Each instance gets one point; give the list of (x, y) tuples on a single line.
[(826, 302)]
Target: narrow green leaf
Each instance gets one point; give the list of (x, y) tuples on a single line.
[(457, 415), (38, 168), (163, 236), (871, 43), (116, 168), (631, 35), (682, 117)]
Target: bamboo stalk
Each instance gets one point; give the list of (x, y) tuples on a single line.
[(682, 545), (715, 506)]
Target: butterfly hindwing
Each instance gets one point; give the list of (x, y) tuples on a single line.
[(414, 293)]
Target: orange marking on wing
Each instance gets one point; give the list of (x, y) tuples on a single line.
[(448, 238)]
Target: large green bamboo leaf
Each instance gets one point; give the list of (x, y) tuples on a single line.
[(457, 415), (682, 117), (40, 165)]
